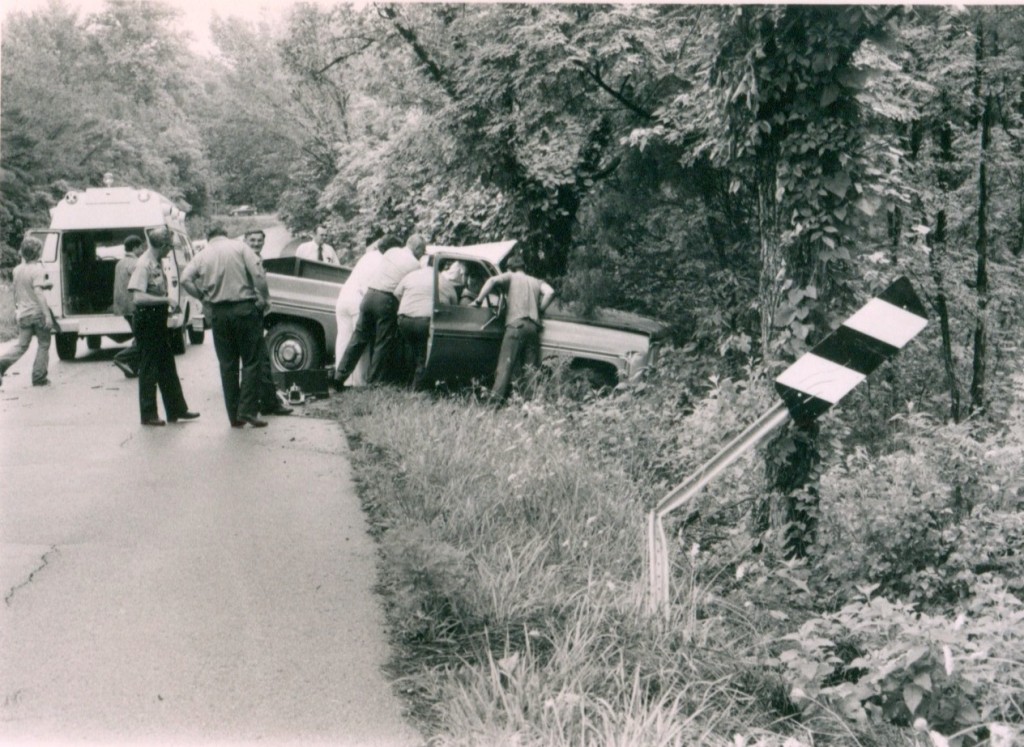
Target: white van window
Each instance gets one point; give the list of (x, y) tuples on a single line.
[(50, 247)]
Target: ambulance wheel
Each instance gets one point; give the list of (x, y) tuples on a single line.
[(67, 345)]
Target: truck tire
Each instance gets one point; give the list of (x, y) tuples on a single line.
[(293, 347), (177, 340), (67, 345), (94, 342)]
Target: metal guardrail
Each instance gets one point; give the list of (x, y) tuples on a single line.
[(657, 543)]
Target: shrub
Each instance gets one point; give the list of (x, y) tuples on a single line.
[(876, 661)]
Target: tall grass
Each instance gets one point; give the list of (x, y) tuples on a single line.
[(8, 322), (513, 568), (512, 545)]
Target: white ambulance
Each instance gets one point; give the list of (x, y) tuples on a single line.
[(83, 244)]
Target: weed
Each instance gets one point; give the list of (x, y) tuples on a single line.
[(8, 322)]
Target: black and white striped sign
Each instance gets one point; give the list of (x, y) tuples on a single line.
[(833, 367)]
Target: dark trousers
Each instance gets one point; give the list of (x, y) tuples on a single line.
[(376, 328), (238, 340), (156, 364), (520, 347), (130, 355), (267, 388), (416, 333)]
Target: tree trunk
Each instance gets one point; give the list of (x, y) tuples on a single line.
[(938, 246), (773, 266), (979, 366)]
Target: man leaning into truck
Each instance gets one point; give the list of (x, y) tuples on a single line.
[(378, 316), (527, 298)]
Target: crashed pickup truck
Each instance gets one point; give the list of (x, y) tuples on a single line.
[(607, 348)]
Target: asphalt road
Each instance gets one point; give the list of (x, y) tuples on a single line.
[(191, 584)]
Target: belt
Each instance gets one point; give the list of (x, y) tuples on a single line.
[(232, 303)]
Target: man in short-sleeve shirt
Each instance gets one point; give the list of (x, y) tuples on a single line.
[(156, 361), (31, 311), (527, 298), (415, 293), (228, 278)]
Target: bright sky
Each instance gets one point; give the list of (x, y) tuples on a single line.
[(195, 18)]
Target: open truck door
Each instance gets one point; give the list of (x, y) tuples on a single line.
[(464, 339)]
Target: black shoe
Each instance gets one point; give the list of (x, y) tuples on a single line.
[(44, 382), (279, 410), (338, 383), (153, 421), (187, 415), (129, 372), (254, 422)]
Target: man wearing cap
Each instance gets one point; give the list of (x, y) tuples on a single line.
[(149, 320), (228, 278), (255, 238), (526, 300), (378, 315)]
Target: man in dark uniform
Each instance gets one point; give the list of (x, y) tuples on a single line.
[(156, 361), (228, 278), (269, 403)]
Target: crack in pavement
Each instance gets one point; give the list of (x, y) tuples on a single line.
[(45, 562)]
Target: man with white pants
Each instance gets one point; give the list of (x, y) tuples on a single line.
[(346, 310)]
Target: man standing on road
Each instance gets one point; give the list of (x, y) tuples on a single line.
[(269, 403), (415, 293), (378, 315), (31, 312), (228, 278), (527, 298), (346, 309), (156, 361), (127, 359), (318, 248)]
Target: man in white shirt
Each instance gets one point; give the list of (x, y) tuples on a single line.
[(415, 294), (346, 310), (378, 316), (318, 249)]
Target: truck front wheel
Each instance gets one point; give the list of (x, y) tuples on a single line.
[(293, 347), (67, 345)]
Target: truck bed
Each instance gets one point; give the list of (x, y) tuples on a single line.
[(306, 268)]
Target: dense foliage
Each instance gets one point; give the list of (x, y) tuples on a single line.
[(750, 174)]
